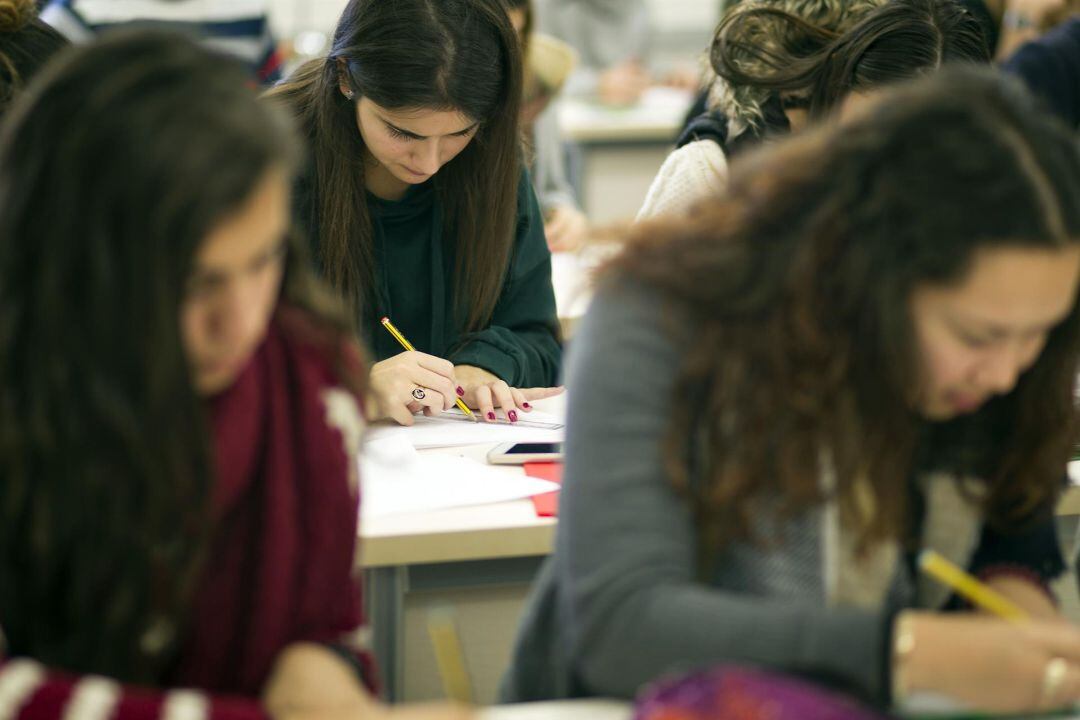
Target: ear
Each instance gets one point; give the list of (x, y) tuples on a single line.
[(343, 78)]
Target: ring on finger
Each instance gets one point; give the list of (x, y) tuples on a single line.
[(1053, 678), (419, 393)]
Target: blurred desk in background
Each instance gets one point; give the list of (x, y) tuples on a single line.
[(621, 149)]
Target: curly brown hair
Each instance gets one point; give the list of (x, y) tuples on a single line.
[(797, 285), (813, 53)]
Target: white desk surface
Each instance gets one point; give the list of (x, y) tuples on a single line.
[(481, 532), (561, 710), (500, 530), (656, 118)]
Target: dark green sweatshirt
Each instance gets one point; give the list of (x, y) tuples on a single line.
[(415, 277)]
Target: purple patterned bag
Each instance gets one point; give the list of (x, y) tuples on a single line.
[(739, 693)]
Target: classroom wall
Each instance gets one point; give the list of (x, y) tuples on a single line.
[(681, 25)]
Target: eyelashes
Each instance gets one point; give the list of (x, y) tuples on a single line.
[(401, 135)]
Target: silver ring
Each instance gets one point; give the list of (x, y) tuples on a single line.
[(419, 393), (1053, 677)]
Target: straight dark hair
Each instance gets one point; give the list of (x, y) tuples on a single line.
[(809, 65), (798, 283), (530, 22), (417, 54), (115, 166), (26, 44)]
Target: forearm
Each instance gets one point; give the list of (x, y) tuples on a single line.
[(674, 629), (523, 357), (32, 691), (309, 678)]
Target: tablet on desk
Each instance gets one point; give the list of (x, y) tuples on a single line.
[(521, 453)]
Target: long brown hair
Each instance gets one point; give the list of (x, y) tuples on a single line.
[(797, 285), (407, 54), (106, 462)]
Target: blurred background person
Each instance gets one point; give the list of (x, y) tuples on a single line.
[(236, 27), (548, 63)]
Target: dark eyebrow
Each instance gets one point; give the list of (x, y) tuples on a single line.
[(414, 136)]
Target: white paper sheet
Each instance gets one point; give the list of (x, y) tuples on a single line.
[(560, 710), (397, 479), (452, 429)]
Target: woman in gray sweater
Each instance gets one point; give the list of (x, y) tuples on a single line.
[(865, 349)]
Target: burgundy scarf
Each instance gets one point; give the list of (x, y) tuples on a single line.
[(280, 568)]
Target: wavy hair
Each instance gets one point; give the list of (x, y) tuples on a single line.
[(407, 54), (115, 166), (797, 283), (26, 44), (812, 54)]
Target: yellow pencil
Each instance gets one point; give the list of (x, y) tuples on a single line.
[(449, 656), (408, 346), (968, 586)]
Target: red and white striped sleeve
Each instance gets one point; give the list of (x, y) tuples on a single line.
[(31, 691)]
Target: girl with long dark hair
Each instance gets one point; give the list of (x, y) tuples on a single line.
[(866, 348), (179, 414), (417, 207)]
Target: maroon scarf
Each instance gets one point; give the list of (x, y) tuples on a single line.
[(280, 568)]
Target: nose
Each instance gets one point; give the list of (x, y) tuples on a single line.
[(427, 158), (239, 319), (999, 371)]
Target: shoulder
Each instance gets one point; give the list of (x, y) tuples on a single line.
[(629, 325), (704, 158), (694, 171), (529, 238), (329, 369), (329, 352), (526, 195)]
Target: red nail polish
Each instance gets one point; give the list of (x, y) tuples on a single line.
[(512, 415), (527, 406), (461, 391), (491, 416)]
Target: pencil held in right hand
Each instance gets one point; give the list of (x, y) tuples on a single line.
[(991, 664), (410, 382)]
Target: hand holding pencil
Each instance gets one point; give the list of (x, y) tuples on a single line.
[(998, 660), (412, 381)]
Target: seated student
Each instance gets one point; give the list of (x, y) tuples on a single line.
[(26, 44), (1008, 24), (410, 204), (866, 347), (237, 27), (179, 423), (782, 64), (612, 40), (565, 225), (1050, 65)]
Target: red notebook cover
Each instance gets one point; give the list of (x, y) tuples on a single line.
[(546, 504)]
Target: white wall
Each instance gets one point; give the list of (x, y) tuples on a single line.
[(669, 16)]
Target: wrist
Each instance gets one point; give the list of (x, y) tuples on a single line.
[(903, 647)]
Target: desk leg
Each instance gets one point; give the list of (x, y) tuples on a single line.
[(386, 588)]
